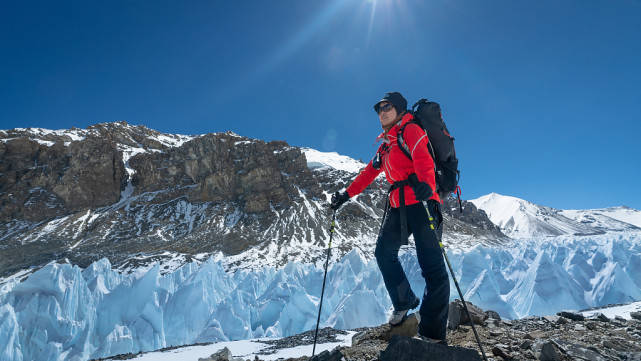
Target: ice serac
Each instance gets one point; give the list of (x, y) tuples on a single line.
[(480, 270), (616, 270), (547, 285), (55, 311), (9, 337), (64, 312)]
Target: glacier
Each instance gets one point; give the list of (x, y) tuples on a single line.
[(64, 312)]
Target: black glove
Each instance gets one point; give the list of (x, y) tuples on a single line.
[(422, 190), (338, 199)]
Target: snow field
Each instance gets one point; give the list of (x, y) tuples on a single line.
[(621, 311), (245, 349)]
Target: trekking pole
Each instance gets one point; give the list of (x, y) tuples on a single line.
[(449, 265), (320, 307)]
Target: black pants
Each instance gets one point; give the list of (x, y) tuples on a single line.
[(434, 307)]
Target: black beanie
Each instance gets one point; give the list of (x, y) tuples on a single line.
[(397, 100)]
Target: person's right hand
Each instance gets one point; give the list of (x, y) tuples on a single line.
[(338, 199)]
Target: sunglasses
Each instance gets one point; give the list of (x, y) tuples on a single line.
[(385, 108)]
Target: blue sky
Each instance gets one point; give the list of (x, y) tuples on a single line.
[(543, 97)]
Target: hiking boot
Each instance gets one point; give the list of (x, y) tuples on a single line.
[(430, 340), (400, 315)]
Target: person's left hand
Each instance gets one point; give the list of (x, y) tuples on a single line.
[(422, 190)]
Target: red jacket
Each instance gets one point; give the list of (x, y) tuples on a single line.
[(398, 166)]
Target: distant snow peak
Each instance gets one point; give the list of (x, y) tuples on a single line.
[(317, 159), (606, 216), (519, 218)]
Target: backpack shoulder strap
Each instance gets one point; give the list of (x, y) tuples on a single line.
[(401, 141), (403, 146)]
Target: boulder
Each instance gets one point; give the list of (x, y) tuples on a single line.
[(600, 317), (620, 319), (525, 345), (550, 352), (380, 333), (410, 349), (407, 328), (359, 337), (458, 316), (571, 315), (334, 355), (493, 314), (501, 351), (222, 355), (579, 352)]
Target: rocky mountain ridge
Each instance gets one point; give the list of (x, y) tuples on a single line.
[(136, 195)]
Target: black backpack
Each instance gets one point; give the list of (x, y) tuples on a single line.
[(428, 115)]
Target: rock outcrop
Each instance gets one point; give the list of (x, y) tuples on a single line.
[(227, 168), (40, 182)]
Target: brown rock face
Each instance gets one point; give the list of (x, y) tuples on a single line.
[(95, 175), (215, 192), (38, 182), (222, 168)]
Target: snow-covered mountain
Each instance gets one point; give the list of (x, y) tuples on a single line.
[(519, 218), (136, 195), (118, 238), (317, 159), (612, 218)]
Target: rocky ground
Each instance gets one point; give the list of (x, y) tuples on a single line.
[(562, 337)]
